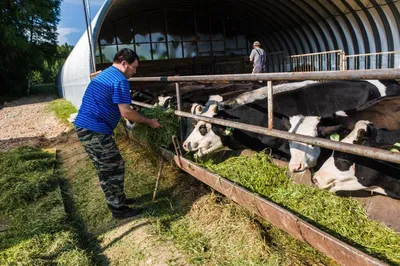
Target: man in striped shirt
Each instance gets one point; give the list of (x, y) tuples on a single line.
[(106, 99)]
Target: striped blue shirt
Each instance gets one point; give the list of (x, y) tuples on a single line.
[(99, 111)]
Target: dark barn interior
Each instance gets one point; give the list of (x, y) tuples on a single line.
[(187, 37)]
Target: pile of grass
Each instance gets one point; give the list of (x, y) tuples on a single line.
[(217, 231), (35, 228), (62, 109), (342, 217), (160, 137)]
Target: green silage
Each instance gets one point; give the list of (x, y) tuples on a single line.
[(340, 216), (160, 137)]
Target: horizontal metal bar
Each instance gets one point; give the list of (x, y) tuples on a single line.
[(327, 52), (277, 216), (329, 144), (143, 104), (317, 75), (357, 55)]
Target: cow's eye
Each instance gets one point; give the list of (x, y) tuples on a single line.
[(203, 130)]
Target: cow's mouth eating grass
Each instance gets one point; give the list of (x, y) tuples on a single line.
[(205, 151)]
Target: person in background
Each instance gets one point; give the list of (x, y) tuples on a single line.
[(257, 56), (107, 99)]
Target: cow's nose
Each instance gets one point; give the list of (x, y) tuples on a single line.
[(315, 181), (185, 146), (295, 167)]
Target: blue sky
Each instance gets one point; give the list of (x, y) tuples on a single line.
[(72, 24)]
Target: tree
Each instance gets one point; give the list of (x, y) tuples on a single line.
[(28, 32), (51, 65)]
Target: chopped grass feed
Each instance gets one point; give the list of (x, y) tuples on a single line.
[(35, 227), (339, 216), (62, 109), (160, 137)]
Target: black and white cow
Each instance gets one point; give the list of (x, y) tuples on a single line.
[(347, 172), (324, 97), (321, 98), (207, 138), (382, 112)]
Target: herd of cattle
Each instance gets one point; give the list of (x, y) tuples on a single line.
[(363, 112)]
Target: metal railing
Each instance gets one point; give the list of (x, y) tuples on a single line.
[(322, 61), (382, 60), (275, 62), (326, 75)]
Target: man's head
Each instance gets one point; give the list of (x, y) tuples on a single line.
[(127, 61), (256, 44)]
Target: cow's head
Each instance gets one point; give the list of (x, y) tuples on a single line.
[(303, 155), (338, 172), (164, 101), (205, 137)]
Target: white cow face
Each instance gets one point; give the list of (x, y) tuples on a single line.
[(164, 101), (303, 155), (203, 139), (331, 177)]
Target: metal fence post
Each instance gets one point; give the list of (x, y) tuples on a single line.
[(270, 105), (179, 106)]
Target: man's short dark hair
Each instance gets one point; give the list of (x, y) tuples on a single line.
[(127, 55)]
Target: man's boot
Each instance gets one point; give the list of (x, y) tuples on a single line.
[(124, 212)]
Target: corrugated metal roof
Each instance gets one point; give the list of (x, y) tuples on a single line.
[(292, 26)]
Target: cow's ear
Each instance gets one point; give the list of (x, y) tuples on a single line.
[(325, 131)]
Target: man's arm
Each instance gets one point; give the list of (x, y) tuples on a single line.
[(134, 116), (251, 57)]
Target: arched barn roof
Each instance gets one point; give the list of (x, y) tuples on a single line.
[(289, 26)]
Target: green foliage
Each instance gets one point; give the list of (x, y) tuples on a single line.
[(343, 217), (28, 33), (62, 109)]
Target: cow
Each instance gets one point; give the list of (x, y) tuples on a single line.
[(382, 112), (320, 98), (331, 100), (347, 172), (207, 138)]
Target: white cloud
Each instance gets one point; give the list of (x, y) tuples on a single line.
[(63, 32), (79, 2)]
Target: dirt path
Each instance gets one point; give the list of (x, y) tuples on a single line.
[(27, 122)]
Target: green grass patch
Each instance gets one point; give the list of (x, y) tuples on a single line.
[(35, 227), (161, 137), (342, 217), (62, 109)]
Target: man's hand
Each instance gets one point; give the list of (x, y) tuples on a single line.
[(134, 116), (154, 123)]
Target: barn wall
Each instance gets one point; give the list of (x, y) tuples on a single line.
[(294, 27)]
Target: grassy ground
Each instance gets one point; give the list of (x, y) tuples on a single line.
[(34, 228)]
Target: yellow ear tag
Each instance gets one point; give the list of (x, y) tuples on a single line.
[(228, 131), (335, 137)]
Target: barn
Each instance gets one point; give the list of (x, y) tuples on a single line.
[(187, 37)]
